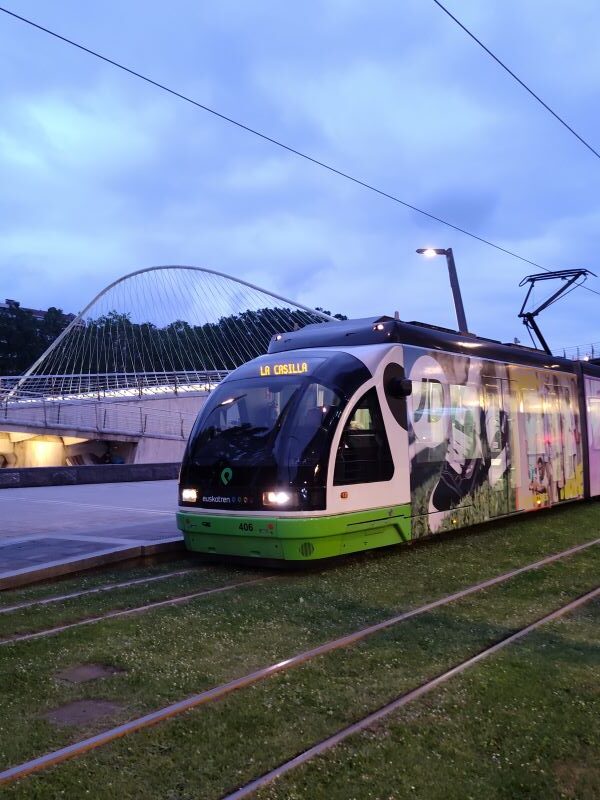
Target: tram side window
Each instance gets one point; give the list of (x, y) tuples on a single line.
[(465, 433), (428, 422), (364, 453), (570, 430), (593, 408)]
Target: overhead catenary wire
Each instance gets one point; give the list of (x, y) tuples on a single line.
[(581, 346), (358, 181), (533, 94), (278, 143), (521, 82)]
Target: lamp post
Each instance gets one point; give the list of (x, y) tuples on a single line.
[(430, 252)]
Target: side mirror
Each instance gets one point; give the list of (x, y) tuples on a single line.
[(398, 388)]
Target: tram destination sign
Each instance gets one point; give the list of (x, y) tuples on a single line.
[(291, 366), (284, 368)]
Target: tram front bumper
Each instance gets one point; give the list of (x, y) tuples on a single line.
[(294, 538)]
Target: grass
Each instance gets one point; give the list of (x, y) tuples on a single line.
[(171, 653), (77, 608), (123, 571), (523, 725)]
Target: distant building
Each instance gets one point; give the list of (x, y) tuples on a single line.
[(37, 313)]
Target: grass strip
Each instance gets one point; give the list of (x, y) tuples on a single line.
[(98, 600), (44, 601), (524, 725), (596, 562), (406, 698), (207, 754), (219, 692), (99, 576), (171, 601), (175, 652)]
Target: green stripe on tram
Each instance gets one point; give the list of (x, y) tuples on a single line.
[(295, 538)]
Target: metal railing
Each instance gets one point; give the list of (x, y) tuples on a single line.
[(583, 352), (104, 404), (100, 417), (108, 384)]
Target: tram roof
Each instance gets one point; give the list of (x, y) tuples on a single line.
[(388, 330)]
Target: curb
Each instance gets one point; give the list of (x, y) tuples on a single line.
[(98, 558)]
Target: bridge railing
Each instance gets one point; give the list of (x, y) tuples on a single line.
[(104, 404), (107, 384), (100, 417)]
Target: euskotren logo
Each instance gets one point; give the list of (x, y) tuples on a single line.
[(226, 475)]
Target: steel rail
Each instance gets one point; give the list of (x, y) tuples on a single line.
[(44, 601), (216, 693), (126, 612), (404, 699)]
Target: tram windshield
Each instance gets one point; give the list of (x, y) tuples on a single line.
[(247, 418), (271, 429)]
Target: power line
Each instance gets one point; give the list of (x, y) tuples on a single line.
[(269, 139), (274, 141), (517, 79), (531, 92)]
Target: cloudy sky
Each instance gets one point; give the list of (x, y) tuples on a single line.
[(102, 174)]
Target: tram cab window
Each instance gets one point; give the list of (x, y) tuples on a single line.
[(364, 453)]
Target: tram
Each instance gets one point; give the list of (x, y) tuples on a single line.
[(359, 434)]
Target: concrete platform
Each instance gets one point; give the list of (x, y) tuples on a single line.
[(54, 530)]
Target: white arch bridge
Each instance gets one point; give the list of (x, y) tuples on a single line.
[(125, 380)]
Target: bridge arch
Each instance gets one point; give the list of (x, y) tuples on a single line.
[(172, 323)]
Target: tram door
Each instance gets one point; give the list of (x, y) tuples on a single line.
[(496, 443)]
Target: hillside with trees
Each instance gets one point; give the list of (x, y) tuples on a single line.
[(114, 344)]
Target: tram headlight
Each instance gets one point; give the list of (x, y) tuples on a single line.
[(189, 495), (279, 499)]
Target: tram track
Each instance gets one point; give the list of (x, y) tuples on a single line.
[(210, 695), (404, 699), (179, 599), (44, 601), (171, 601)]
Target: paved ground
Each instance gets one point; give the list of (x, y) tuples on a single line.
[(56, 529)]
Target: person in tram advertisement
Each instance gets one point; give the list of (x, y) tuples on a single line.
[(541, 482), (458, 438)]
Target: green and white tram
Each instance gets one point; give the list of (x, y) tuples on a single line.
[(365, 433)]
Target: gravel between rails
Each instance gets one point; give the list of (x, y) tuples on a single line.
[(79, 748)]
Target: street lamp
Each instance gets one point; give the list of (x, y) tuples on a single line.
[(430, 252)]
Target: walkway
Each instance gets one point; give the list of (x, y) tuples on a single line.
[(54, 530)]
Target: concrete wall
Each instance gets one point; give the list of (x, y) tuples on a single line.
[(166, 415), (149, 451), (102, 473), (136, 430)]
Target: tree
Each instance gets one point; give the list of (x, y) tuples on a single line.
[(336, 316), (20, 340), (53, 324)]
